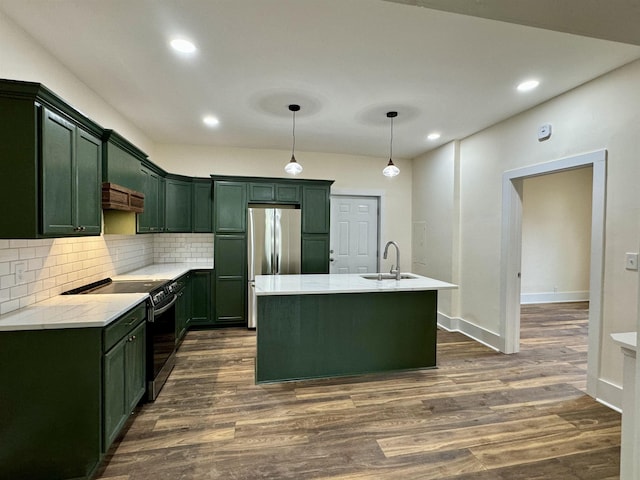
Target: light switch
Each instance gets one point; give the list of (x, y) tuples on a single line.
[(631, 262)]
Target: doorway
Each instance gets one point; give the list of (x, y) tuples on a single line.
[(355, 233), (511, 254)]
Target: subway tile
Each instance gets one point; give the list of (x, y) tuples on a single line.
[(4, 244), (28, 300), (35, 264), (9, 254), (19, 291), (5, 268), (27, 252), (17, 243), (7, 281), (10, 306)]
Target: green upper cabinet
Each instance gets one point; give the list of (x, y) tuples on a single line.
[(287, 193), (121, 162), (177, 205), (262, 192), (152, 219), (202, 206), (315, 208), (230, 206), (270, 192), (50, 167), (89, 173)]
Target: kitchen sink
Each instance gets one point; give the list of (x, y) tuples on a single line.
[(387, 276)]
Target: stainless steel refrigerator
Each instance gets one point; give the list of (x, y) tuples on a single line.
[(273, 246)]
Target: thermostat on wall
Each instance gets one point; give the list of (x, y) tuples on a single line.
[(544, 132)]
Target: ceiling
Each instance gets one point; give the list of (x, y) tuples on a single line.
[(346, 62)]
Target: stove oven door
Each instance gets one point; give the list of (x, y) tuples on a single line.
[(161, 332)]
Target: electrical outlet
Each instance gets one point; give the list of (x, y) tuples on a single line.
[(20, 267), (631, 261)]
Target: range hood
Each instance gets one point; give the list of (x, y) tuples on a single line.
[(116, 197), (119, 208)]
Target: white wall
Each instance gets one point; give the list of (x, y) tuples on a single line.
[(602, 114), (436, 220), (556, 236), (22, 58), (350, 172)]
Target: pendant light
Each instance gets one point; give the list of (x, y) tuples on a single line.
[(293, 167), (391, 170)]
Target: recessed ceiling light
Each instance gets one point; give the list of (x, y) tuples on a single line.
[(433, 136), (528, 85), (211, 121), (183, 46)]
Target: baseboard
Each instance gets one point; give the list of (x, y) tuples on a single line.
[(479, 334), (557, 297), (609, 394)]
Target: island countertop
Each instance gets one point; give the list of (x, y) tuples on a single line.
[(318, 284)]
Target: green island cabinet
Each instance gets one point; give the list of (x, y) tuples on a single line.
[(51, 165), (231, 198), (66, 394)]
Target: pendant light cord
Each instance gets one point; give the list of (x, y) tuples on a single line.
[(391, 141), (293, 148)]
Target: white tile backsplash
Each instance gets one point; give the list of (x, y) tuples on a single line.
[(55, 265), (183, 247)]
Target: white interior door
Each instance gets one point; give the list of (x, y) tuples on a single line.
[(354, 234)]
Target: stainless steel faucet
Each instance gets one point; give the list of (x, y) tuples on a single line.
[(386, 250)]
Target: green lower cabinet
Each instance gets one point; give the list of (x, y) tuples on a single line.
[(183, 307), (230, 279), (124, 381), (50, 403), (201, 298)]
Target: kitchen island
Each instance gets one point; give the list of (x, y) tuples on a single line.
[(315, 326)]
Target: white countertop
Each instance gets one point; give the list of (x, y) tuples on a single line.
[(80, 311), (163, 271), (626, 340), (341, 283), (71, 311)]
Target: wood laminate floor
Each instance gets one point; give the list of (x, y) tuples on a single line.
[(480, 415)]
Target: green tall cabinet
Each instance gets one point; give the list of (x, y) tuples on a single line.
[(230, 247), (232, 197), (51, 165)]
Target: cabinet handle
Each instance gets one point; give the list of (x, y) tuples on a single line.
[(133, 320), (79, 229)]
